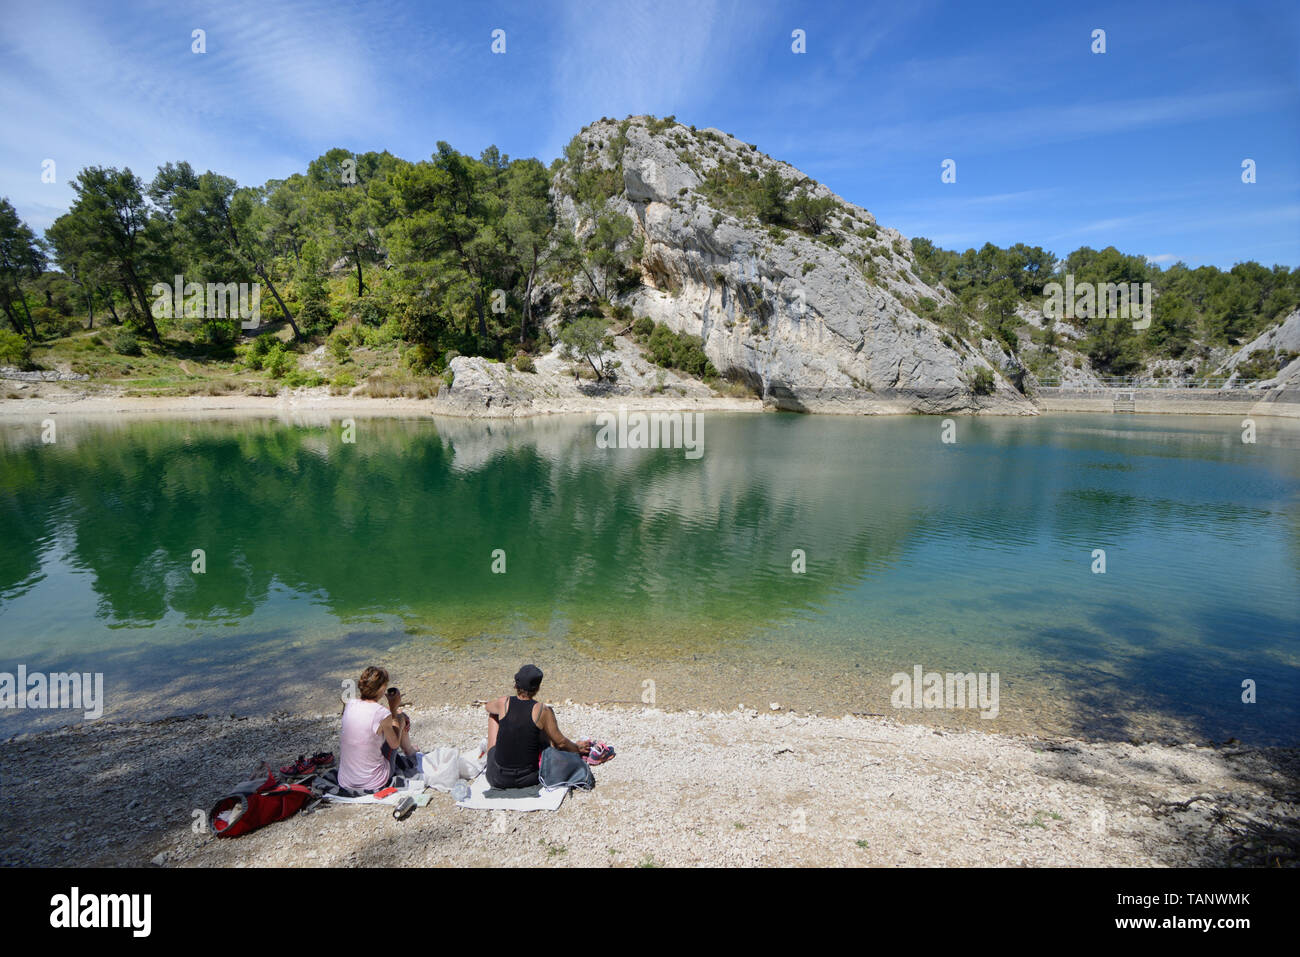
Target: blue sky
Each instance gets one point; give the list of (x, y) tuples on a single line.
[(1140, 147)]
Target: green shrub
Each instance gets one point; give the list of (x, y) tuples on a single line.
[(46, 318), (674, 350), (1261, 366), (643, 327), (125, 343), (279, 361), (982, 381), (744, 192), (375, 337), (524, 363), (255, 357), (15, 350), (339, 344), (314, 317), (373, 309), (218, 332), (655, 125), (421, 358), (303, 379)]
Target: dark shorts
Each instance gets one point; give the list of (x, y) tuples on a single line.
[(500, 777)]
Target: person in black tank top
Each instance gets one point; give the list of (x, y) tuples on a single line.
[(519, 730)]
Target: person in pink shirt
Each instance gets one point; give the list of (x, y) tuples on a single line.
[(373, 727)]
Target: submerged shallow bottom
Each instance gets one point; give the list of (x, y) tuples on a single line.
[(800, 561), (312, 675)]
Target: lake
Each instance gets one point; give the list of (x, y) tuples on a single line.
[(801, 560)]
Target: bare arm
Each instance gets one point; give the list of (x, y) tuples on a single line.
[(495, 709), (546, 721), (391, 730), (396, 726)]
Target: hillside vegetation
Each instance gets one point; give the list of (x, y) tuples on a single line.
[(376, 271)]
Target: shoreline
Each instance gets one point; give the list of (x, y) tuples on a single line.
[(688, 788), (449, 674), (308, 402)]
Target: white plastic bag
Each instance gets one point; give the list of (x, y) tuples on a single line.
[(472, 763), (441, 768)]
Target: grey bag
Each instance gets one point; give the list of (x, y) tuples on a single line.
[(565, 769)]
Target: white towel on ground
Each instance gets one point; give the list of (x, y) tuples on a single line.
[(549, 799)]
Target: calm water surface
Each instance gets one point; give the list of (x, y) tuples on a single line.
[(975, 556)]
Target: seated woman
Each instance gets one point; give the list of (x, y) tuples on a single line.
[(519, 730), (373, 730)]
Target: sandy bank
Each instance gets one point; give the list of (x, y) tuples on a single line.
[(316, 402), (60, 399), (687, 788)]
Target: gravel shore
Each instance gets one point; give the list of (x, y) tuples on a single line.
[(686, 788), (59, 398)]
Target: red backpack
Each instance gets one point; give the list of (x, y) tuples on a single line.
[(258, 805)]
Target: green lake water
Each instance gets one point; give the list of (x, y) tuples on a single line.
[(971, 556)]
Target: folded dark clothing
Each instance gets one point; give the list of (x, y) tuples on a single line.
[(565, 769), (328, 783), (495, 793)]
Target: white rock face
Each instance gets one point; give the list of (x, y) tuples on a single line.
[(1280, 341), (822, 324), (483, 387)]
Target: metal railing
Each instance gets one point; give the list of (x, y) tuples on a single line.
[(1172, 382)]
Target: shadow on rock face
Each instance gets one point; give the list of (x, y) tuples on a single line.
[(783, 397)]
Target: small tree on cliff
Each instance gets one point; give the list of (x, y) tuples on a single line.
[(587, 338)]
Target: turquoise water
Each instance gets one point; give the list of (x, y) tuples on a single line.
[(976, 555)]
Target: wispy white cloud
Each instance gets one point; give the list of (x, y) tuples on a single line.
[(1122, 151), (86, 86), (968, 132), (647, 56)]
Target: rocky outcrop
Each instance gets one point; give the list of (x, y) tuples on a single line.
[(41, 375), (482, 387), (825, 322), (1277, 348)]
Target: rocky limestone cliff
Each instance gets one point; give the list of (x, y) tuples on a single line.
[(821, 323), (1278, 348)]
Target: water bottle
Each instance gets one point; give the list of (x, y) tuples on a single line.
[(460, 791), (404, 808)]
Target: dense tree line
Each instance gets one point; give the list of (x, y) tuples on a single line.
[(450, 249), (1194, 310), (446, 254)]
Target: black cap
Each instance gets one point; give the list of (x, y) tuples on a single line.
[(528, 678)]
